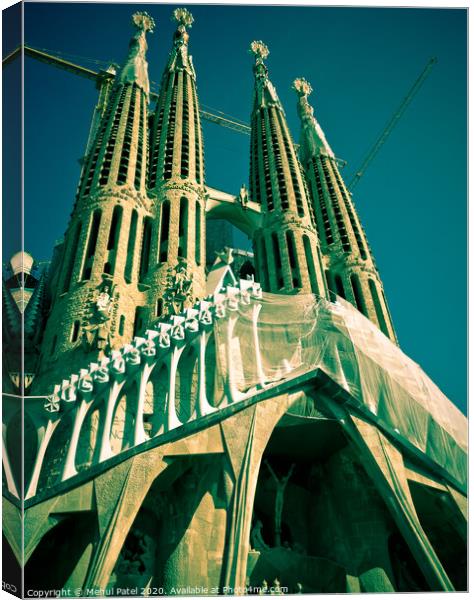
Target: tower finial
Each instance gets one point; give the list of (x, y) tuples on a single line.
[(302, 87), (143, 21), (313, 138), (135, 69), (259, 50), (183, 17)]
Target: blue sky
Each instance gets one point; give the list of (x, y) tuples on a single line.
[(361, 62)]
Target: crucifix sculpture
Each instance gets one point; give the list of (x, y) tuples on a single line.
[(280, 485)]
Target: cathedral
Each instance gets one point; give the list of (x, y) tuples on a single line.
[(218, 422)]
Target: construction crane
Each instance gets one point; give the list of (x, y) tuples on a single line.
[(382, 138)]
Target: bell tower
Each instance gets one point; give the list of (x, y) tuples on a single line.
[(286, 247), (107, 241), (176, 175), (350, 268)]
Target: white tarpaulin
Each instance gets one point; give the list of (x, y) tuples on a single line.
[(302, 332)]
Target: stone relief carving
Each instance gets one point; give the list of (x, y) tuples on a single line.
[(102, 307), (243, 197), (179, 288)]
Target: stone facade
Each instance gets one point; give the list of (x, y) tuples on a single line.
[(188, 438)]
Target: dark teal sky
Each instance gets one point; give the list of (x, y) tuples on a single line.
[(361, 62)]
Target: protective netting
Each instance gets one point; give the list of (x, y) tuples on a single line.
[(283, 336)]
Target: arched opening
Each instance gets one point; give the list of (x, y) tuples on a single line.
[(159, 307), (183, 227), (132, 234), (164, 231), (295, 271), (71, 542), (378, 308), (186, 384), (261, 263), (123, 424), (310, 262), (91, 245), (319, 524), (113, 240), (214, 381), (139, 320), (358, 294), (330, 283), (75, 331), (339, 286), (198, 249), (277, 260), (115, 228), (88, 446), (145, 249), (156, 398)]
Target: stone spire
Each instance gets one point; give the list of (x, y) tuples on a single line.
[(106, 252), (313, 139), (265, 93), (119, 151), (176, 138), (179, 57), (286, 247), (176, 174), (349, 265), (135, 69)]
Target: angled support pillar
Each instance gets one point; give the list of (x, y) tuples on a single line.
[(384, 464), (246, 436), (119, 495)]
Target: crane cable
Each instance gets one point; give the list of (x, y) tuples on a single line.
[(387, 130)]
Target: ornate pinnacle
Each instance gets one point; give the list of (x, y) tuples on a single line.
[(183, 17), (302, 87), (143, 21), (135, 69), (259, 50), (314, 139)]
